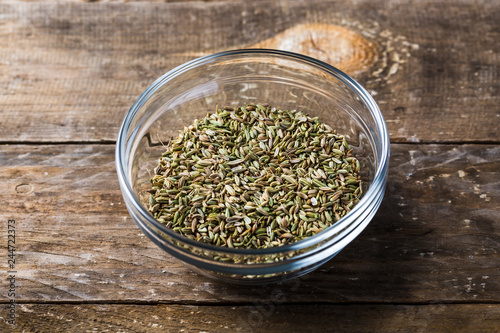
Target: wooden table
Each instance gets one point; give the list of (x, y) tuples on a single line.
[(428, 262)]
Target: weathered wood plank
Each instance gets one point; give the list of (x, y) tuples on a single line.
[(69, 72), (256, 318), (126, 1), (435, 238)]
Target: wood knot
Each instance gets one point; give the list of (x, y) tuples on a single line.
[(24, 188), (335, 45)]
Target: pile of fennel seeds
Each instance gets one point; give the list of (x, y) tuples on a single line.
[(254, 177)]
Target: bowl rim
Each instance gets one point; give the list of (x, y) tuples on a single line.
[(379, 179)]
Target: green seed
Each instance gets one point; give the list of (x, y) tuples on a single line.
[(254, 177)]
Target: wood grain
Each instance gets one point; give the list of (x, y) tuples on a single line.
[(256, 318), (428, 262), (434, 239), (338, 46), (70, 71)]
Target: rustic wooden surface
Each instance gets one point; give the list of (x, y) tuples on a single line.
[(428, 262), (279, 318), (69, 71)]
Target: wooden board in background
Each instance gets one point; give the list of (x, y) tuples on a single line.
[(70, 71)]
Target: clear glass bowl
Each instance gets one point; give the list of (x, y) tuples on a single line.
[(255, 76)]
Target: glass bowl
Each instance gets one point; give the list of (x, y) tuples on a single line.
[(254, 76)]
